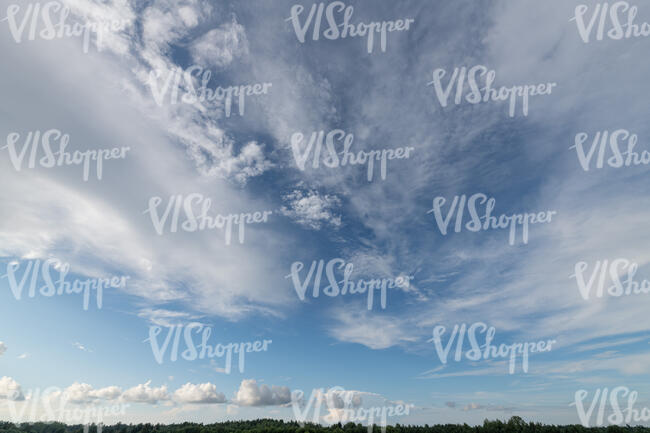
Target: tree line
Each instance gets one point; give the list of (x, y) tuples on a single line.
[(514, 425)]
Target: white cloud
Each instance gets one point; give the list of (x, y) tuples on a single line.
[(194, 125), (220, 46), (250, 394), (189, 16), (143, 393), (341, 399), (199, 393), (108, 393), (81, 347), (626, 365), (608, 344), (84, 393), (10, 389), (373, 331), (115, 12), (339, 403), (101, 230), (250, 161), (160, 27), (162, 317), (311, 209), (490, 407), (578, 370)]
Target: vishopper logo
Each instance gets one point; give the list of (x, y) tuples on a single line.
[(343, 406), (480, 93), (620, 272), (56, 405), (55, 24), (178, 204), (302, 151), (180, 83), (203, 350), (618, 19), (600, 142), (618, 416), (341, 29), (35, 141), (487, 220), (486, 350), (53, 273), (344, 286)]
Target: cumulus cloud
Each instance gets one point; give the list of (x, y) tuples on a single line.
[(204, 393), (199, 393), (108, 393), (144, 393), (10, 389), (79, 393), (312, 210), (250, 394), (341, 399), (85, 393)]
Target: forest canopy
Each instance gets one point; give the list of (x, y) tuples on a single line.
[(514, 425)]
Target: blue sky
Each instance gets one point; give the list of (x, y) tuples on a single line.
[(245, 163)]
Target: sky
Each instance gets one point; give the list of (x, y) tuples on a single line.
[(307, 216)]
